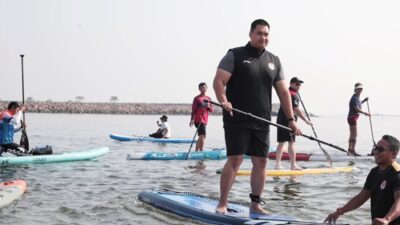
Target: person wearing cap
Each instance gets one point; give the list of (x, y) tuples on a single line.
[(10, 123), (382, 186), (164, 131), (199, 116), (284, 136), (355, 105), (244, 79)]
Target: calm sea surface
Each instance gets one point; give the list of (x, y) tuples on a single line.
[(105, 190)]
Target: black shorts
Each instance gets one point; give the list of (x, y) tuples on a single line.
[(284, 135), (14, 146), (201, 130), (241, 141)]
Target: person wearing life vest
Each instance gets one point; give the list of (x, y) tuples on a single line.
[(10, 123), (199, 116)]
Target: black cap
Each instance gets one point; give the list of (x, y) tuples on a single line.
[(296, 80), (13, 105), (164, 117)]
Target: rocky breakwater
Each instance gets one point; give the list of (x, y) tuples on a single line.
[(113, 108)]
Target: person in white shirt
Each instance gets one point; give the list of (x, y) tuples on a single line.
[(164, 131)]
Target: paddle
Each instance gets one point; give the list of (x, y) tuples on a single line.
[(191, 144), (278, 125), (24, 142), (370, 123), (328, 157)]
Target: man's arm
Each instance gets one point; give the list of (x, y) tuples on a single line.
[(354, 203), (360, 111), (16, 121), (286, 104), (220, 80), (194, 109), (301, 115)]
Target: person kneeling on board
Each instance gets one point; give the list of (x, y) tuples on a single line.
[(164, 131), (382, 186), (10, 123)]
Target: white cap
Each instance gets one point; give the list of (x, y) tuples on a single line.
[(358, 86)]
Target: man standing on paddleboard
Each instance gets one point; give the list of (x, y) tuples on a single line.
[(244, 80), (382, 186), (284, 136), (199, 116), (354, 112)]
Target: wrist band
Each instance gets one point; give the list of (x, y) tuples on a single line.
[(290, 119)]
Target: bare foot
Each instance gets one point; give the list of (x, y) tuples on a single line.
[(296, 167), (257, 211), (279, 167), (221, 210)]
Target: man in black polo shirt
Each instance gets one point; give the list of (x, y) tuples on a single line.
[(248, 73), (382, 186), (284, 136)]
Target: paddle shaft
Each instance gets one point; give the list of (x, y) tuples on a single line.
[(191, 144), (24, 142), (370, 123), (23, 85), (328, 157), (279, 126)]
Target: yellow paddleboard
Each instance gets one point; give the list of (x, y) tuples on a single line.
[(275, 173)]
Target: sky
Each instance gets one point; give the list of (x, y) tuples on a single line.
[(157, 51)]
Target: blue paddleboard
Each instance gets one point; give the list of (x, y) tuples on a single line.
[(202, 208), (151, 139), (215, 154)]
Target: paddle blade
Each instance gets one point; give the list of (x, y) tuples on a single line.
[(24, 140)]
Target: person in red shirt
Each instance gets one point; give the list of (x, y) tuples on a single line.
[(199, 117)]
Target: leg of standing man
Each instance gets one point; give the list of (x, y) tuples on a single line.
[(228, 176), (257, 181), (353, 139), (200, 143), (292, 155), (278, 157)]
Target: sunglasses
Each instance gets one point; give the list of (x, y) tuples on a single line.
[(379, 149), (298, 84)]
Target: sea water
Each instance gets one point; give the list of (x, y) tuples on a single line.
[(105, 190)]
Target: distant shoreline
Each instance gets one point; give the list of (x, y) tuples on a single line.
[(114, 108)]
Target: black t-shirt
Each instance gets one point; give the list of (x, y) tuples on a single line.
[(382, 185)]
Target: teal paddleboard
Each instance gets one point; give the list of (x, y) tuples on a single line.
[(78, 155)]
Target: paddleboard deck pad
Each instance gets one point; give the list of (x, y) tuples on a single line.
[(202, 208), (10, 191)]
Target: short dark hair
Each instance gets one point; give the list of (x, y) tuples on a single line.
[(13, 105), (258, 22), (394, 144), (202, 84)]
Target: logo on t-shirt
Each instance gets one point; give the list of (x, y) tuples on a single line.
[(383, 184), (249, 60), (271, 66)]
